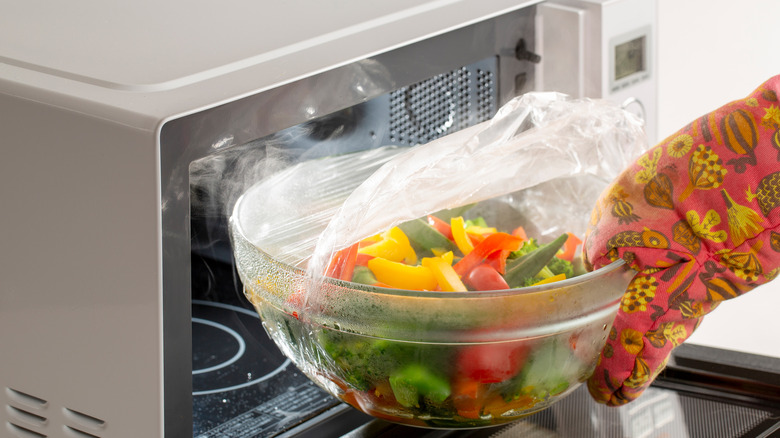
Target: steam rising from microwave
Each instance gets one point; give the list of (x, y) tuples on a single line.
[(218, 180)]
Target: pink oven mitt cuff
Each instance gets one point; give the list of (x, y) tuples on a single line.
[(696, 217)]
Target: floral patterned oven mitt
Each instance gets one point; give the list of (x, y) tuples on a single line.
[(696, 217)]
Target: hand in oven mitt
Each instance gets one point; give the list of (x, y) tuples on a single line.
[(696, 217)]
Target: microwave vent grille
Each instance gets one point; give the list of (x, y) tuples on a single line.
[(23, 432), (443, 104), (29, 416), (486, 95), (77, 433), (83, 425)]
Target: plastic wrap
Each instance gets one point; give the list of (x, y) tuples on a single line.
[(286, 213), (534, 139), (543, 154)]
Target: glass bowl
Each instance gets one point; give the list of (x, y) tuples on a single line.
[(434, 359)]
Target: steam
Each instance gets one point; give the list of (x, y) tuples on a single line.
[(218, 180)]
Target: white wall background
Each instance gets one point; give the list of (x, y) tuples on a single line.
[(711, 52)]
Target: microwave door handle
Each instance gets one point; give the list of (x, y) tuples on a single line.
[(560, 35)]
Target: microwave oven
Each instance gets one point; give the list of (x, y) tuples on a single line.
[(129, 129)]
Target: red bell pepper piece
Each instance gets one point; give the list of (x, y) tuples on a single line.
[(342, 266), (362, 259), (476, 238), (494, 242), (497, 260), (440, 226), (350, 259), (569, 247), (467, 397), (491, 363), (520, 232), (335, 266)]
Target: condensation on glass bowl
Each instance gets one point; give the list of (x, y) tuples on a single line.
[(424, 316), (352, 341)]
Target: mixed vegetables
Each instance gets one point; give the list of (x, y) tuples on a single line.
[(455, 255), (453, 385)]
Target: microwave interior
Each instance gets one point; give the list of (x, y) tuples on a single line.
[(241, 384)]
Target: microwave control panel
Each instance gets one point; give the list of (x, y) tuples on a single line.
[(601, 49)]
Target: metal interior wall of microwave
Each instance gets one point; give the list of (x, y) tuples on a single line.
[(415, 114)]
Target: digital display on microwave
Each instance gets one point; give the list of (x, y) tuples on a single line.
[(630, 57)]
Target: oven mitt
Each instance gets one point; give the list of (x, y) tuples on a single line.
[(696, 216)]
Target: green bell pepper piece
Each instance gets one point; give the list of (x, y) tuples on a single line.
[(414, 381)]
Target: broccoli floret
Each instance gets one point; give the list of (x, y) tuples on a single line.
[(555, 267), (561, 266), (529, 281), (544, 274), (528, 246), (476, 222)]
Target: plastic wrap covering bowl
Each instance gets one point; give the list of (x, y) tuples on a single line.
[(433, 359)]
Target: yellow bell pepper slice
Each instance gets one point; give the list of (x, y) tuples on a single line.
[(553, 279), (448, 279), (438, 252), (399, 236), (459, 234), (399, 275), (476, 229), (445, 255), (394, 246)]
